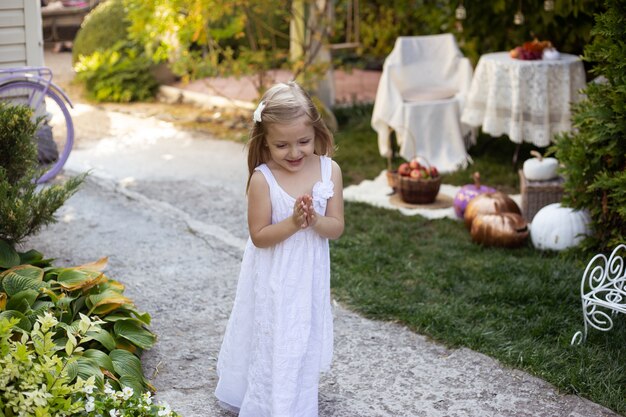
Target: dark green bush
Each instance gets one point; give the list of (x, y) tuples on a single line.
[(594, 155), (17, 148), (103, 27), (488, 27), (121, 73), (24, 208)]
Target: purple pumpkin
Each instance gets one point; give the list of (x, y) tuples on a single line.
[(467, 193)]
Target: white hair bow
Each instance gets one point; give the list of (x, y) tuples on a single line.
[(258, 112)]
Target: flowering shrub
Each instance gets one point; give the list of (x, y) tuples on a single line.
[(35, 372), (40, 377)]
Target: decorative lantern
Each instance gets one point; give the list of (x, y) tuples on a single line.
[(490, 203), (502, 229), (460, 13), (548, 5), (556, 227), (518, 18), (468, 192)]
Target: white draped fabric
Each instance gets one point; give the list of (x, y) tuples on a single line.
[(527, 100), (420, 96)]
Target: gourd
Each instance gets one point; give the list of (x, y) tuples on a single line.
[(502, 229), (467, 193), (490, 203), (540, 168), (555, 227)]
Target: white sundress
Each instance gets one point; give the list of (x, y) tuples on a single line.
[(279, 336)]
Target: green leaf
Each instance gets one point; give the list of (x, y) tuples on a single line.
[(22, 301), (31, 257), (135, 334), (24, 323), (107, 301), (42, 306), (22, 278), (70, 328), (8, 256), (78, 305), (71, 369), (144, 317), (130, 381), (100, 358), (88, 367), (126, 364), (72, 278), (129, 313), (103, 337)]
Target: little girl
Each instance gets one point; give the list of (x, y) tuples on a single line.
[(280, 336)]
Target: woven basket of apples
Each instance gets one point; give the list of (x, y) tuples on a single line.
[(418, 181)]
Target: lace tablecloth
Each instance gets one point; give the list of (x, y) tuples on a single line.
[(527, 100)]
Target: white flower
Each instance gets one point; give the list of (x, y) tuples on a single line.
[(108, 389), (127, 392), (147, 397), (165, 411), (88, 388), (90, 406), (258, 112), (113, 413)]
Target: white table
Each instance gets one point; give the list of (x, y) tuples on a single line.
[(527, 100)]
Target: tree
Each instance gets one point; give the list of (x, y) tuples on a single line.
[(203, 38), (594, 154)]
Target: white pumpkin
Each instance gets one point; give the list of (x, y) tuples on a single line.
[(540, 168), (556, 227)]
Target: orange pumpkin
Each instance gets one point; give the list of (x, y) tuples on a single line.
[(503, 229), (489, 203)]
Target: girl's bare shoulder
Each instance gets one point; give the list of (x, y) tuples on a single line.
[(258, 180)]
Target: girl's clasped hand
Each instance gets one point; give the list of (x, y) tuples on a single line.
[(303, 212)]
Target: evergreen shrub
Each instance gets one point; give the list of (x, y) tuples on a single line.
[(594, 153), (25, 207)]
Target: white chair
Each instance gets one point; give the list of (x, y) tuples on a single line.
[(420, 96)]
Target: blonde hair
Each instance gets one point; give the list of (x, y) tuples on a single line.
[(285, 102)]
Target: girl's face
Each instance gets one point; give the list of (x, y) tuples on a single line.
[(290, 143)]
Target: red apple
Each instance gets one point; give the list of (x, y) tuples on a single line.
[(414, 164), (416, 174), (434, 172), (424, 173), (404, 169)]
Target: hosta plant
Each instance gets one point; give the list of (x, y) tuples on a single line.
[(31, 286)]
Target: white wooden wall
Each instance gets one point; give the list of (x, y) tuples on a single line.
[(21, 38)]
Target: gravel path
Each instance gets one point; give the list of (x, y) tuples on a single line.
[(168, 209)]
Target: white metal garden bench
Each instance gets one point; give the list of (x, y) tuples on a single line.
[(603, 292)]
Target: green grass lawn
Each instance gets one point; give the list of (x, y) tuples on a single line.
[(520, 306)]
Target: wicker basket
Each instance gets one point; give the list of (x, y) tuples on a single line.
[(538, 194), (419, 191)]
